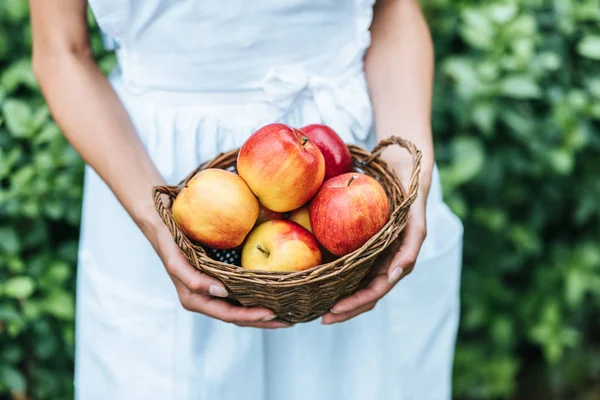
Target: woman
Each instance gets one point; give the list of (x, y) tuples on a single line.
[(195, 78)]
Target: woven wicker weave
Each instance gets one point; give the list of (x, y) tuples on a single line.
[(300, 296)]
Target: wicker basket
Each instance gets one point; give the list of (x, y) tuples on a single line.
[(300, 296)]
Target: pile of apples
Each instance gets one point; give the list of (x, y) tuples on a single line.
[(294, 201)]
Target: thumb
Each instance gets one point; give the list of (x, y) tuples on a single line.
[(404, 260)]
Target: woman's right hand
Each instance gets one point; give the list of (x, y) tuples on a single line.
[(201, 293)]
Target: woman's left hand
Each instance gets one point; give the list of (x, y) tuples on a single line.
[(397, 261)]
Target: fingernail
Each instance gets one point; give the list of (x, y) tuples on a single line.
[(269, 318), (218, 291), (395, 275), (335, 311)]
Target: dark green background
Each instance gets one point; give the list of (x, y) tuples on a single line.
[(516, 120)]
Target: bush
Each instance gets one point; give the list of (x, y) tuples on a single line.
[(516, 119), (40, 205)]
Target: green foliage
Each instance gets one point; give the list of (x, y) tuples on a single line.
[(516, 118), (516, 115), (40, 203)]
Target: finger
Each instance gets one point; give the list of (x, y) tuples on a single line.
[(331, 318), (194, 280), (225, 311), (265, 325), (404, 260), (384, 260), (375, 290)]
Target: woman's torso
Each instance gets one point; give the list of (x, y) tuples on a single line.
[(232, 45)]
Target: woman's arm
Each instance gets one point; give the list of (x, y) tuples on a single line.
[(94, 121), (399, 69)]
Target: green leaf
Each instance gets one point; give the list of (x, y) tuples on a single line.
[(7, 161), (18, 117), (60, 304), (502, 13), (484, 116), (16, 265), (593, 85), (9, 240), (20, 287), (524, 25), (562, 161), (12, 378), (576, 286), (520, 86), (23, 177), (16, 10), (469, 158), (589, 47), (49, 133), (54, 209), (550, 60), (59, 272), (8, 312), (40, 117), (477, 29), (18, 73)]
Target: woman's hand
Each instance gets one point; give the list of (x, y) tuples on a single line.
[(397, 261), (201, 293)]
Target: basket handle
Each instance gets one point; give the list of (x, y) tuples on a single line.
[(157, 192), (413, 184)]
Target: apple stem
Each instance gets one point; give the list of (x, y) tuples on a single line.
[(304, 140), (267, 253), (352, 179)]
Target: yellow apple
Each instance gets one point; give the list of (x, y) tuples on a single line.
[(216, 208), (301, 217), (280, 245)]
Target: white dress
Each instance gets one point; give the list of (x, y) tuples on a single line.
[(197, 77)]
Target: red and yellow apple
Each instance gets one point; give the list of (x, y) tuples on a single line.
[(336, 154), (347, 211), (216, 208), (301, 217), (265, 215), (280, 245), (282, 166)]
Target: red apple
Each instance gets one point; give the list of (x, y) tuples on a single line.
[(282, 166), (337, 156), (280, 246), (265, 215), (301, 217), (347, 211), (216, 208)]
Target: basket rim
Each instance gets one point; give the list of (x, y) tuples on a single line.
[(322, 271)]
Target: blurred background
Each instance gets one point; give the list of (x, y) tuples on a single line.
[(517, 129)]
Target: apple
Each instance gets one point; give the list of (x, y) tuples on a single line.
[(265, 215), (336, 154), (282, 166), (280, 245), (216, 208), (301, 217), (347, 211)]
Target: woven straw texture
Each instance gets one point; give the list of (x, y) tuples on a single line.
[(301, 296)]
